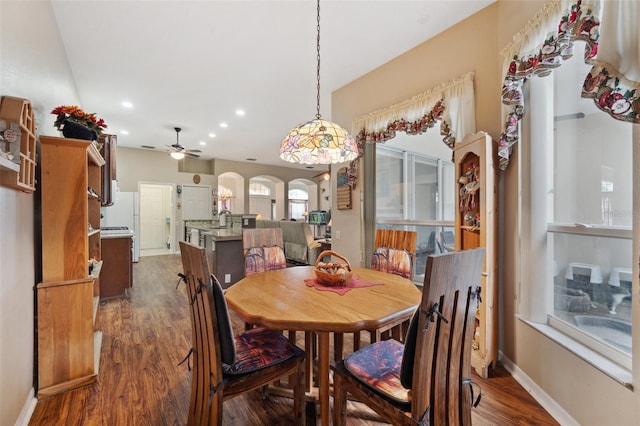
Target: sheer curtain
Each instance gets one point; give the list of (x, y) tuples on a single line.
[(610, 30)]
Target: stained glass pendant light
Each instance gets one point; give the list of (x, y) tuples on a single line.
[(318, 141)]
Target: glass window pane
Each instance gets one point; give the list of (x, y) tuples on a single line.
[(591, 184), (592, 285), (389, 184), (593, 156), (426, 189)]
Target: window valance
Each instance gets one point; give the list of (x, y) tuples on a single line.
[(610, 32), (452, 103)]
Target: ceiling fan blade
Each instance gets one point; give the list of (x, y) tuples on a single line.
[(191, 155)]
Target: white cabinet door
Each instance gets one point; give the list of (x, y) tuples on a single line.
[(196, 202)]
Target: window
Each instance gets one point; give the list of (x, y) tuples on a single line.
[(259, 189), (298, 203), (577, 184), (419, 188)]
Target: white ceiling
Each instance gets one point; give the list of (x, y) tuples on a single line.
[(191, 64)]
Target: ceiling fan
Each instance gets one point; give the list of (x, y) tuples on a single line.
[(178, 151)]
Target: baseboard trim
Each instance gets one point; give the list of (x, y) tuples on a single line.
[(27, 409), (553, 408)]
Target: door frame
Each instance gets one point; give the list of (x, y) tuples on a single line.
[(172, 229)]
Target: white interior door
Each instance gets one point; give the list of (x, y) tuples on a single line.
[(152, 216)]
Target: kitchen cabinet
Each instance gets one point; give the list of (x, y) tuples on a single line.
[(117, 272), (476, 226), (223, 248), (68, 346), (108, 152)]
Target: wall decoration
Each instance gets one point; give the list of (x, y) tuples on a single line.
[(344, 189)]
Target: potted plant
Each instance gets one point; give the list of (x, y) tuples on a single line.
[(73, 122)]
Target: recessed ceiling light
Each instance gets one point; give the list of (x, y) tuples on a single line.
[(124, 132), (212, 135), (203, 143), (240, 112), (127, 104), (224, 125)]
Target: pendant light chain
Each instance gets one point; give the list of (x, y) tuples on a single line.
[(318, 68), (318, 141)]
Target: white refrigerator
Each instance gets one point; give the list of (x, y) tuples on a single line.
[(125, 211)]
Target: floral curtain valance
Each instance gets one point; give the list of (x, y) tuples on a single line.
[(609, 29), (452, 103)]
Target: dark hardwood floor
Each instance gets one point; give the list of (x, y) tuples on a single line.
[(140, 382)]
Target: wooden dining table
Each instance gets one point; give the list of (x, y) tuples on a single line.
[(289, 299)]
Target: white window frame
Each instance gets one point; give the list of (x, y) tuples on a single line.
[(535, 166)]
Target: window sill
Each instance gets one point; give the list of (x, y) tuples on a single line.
[(605, 365)]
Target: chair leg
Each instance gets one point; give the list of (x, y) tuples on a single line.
[(339, 401), (338, 346), (299, 395), (309, 345), (215, 409)]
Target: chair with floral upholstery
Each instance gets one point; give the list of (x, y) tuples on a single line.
[(394, 253), (226, 365), (428, 379), (263, 250)]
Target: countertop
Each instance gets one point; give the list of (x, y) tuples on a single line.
[(224, 234), (106, 234)]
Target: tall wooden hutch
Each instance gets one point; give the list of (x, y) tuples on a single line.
[(476, 226), (67, 298)]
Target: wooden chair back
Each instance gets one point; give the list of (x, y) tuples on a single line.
[(393, 238), (262, 237), (442, 368), (436, 359), (207, 368), (263, 250), (210, 385), (402, 260)]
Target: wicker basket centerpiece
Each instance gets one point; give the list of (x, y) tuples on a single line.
[(332, 274)]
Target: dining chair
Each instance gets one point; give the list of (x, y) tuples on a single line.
[(263, 250), (394, 252), (428, 379), (226, 365)]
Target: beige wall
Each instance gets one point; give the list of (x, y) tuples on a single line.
[(43, 77), (469, 46), (33, 65), (571, 389)]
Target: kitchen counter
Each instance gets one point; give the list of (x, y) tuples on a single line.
[(224, 253), (224, 234), (116, 232)]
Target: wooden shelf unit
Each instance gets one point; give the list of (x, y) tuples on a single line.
[(68, 344), (476, 226), (17, 114)]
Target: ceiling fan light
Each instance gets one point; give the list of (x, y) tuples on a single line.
[(176, 155)]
